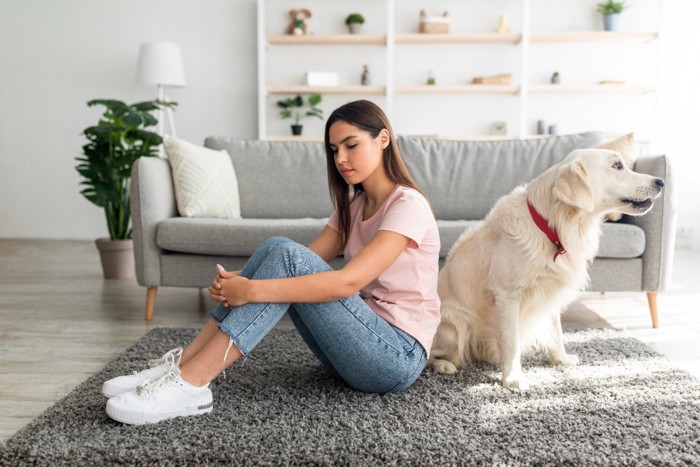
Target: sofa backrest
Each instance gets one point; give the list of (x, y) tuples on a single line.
[(278, 179), (462, 179)]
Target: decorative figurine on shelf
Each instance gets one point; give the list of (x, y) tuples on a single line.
[(299, 25), (431, 79), (503, 26), (365, 80), (541, 127), (555, 79)]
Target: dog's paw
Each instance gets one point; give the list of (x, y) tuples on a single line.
[(516, 381), (566, 360), (442, 366)]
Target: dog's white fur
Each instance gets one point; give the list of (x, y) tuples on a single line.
[(501, 290)]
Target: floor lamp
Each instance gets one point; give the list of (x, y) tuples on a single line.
[(160, 64)]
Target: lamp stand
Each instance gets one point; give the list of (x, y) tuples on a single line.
[(162, 113)]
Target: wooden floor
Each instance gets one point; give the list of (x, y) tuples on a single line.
[(60, 321)]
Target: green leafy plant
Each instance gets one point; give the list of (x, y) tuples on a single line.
[(611, 7), (355, 18), (296, 108), (114, 144)]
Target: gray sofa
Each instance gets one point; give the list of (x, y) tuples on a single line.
[(283, 191)]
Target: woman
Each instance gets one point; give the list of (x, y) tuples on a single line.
[(376, 340)]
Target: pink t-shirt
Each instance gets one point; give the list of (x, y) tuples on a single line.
[(405, 294)]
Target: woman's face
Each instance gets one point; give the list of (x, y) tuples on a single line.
[(358, 156)]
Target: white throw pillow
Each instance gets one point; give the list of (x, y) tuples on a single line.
[(205, 181)]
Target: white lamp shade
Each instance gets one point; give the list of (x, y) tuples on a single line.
[(160, 63)]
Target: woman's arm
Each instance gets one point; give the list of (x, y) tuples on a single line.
[(371, 261), (327, 245)]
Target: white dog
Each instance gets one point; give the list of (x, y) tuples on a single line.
[(505, 282)]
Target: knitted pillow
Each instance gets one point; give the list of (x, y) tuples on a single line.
[(205, 180)]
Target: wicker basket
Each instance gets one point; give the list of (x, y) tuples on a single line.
[(435, 26), (497, 79)]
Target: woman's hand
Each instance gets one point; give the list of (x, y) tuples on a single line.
[(215, 286), (228, 288)]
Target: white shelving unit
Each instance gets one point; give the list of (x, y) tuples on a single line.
[(391, 41)]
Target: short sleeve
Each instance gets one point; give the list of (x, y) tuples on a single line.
[(409, 216), (333, 221)]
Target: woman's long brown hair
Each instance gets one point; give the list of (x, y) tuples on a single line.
[(366, 116)]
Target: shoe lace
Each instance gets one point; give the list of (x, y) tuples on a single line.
[(171, 358), (151, 386)]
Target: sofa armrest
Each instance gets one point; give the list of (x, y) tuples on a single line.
[(152, 200), (659, 226)]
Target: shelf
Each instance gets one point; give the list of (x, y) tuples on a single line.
[(403, 49), (591, 88), (466, 137), (374, 90), (594, 36), (428, 136), (472, 38), (313, 138), (458, 89), (448, 38), (337, 39)]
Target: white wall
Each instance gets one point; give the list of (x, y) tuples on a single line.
[(55, 56)]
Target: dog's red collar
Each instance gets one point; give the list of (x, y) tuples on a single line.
[(543, 225)]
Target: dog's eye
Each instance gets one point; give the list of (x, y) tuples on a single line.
[(618, 166)]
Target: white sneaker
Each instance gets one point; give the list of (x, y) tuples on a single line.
[(166, 397), (158, 368)]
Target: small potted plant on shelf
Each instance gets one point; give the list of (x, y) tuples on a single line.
[(611, 9), (294, 107), (114, 144), (354, 21)]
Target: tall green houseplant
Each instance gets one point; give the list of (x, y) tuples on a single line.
[(114, 144)]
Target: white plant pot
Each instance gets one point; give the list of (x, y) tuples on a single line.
[(354, 28), (611, 22)]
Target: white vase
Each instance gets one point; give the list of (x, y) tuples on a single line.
[(354, 28), (611, 22)]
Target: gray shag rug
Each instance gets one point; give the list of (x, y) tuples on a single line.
[(623, 405)]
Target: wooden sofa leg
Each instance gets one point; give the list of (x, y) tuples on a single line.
[(150, 302), (651, 298)]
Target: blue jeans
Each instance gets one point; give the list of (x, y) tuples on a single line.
[(347, 336)]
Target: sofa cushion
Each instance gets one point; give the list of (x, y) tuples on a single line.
[(464, 179), (214, 236), (278, 179), (620, 240), (231, 237), (205, 181), (617, 240)]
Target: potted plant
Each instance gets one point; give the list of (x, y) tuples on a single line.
[(611, 10), (294, 107), (114, 144), (354, 21)]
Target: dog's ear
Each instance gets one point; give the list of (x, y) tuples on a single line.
[(572, 187)]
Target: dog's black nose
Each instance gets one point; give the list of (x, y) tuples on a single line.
[(660, 182)]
